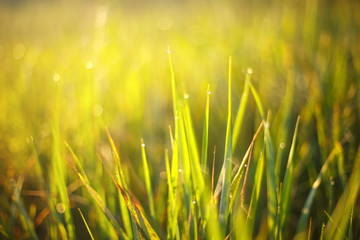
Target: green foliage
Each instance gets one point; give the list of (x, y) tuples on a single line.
[(77, 94)]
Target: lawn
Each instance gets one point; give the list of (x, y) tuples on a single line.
[(179, 119)]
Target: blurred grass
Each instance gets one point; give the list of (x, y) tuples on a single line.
[(69, 71)]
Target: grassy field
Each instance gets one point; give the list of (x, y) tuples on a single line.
[(180, 120)]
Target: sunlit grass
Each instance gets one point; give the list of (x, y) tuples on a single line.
[(84, 86)]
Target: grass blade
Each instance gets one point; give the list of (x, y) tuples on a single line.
[(136, 211), (205, 136), (127, 221), (226, 184), (271, 183), (337, 228), (236, 180), (147, 179), (256, 190), (287, 185), (87, 226), (241, 111), (59, 178), (309, 200), (95, 196)]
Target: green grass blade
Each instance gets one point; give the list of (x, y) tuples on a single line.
[(337, 228), (236, 180), (350, 233), (226, 184), (271, 183), (257, 99), (173, 85), (136, 211), (171, 208), (241, 111), (147, 180), (3, 232), (129, 224), (98, 200), (285, 116), (59, 177), (287, 185), (205, 136), (256, 190), (305, 212), (87, 226)]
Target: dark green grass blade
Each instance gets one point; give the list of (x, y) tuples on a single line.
[(87, 226), (337, 228), (350, 233), (256, 190), (301, 226), (226, 184), (271, 183), (16, 198), (287, 185), (283, 130), (147, 180)]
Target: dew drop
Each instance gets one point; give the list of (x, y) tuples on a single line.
[(163, 175), (29, 139), (180, 170), (143, 144), (249, 71), (194, 201), (97, 110), (56, 77), (186, 96), (282, 145), (245, 165), (332, 183), (230, 195), (60, 207), (89, 65), (209, 92)]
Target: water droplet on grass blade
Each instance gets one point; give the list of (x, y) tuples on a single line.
[(186, 96), (29, 139), (97, 110), (163, 175), (249, 71), (60, 207), (282, 145), (56, 77), (89, 65)]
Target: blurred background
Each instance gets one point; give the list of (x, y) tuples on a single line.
[(75, 68)]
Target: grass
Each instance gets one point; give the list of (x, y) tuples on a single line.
[(261, 145)]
